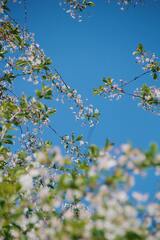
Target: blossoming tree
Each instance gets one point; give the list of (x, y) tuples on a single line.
[(88, 192)]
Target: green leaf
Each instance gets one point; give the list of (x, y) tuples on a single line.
[(155, 76), (79, 138), (21, 63), (108, 144), (90, 4), (140, 48)]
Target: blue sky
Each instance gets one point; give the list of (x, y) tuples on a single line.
[(100, 46)]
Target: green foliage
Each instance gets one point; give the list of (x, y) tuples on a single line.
[(43, 194)]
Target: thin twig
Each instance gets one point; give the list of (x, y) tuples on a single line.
[(61, 78), (135, 78), (53, 130)]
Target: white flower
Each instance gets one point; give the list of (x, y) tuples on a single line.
[(1, 10), (81, 143), (122, 196), (140, 197), (130, 211), (26, 182), (152, 209), (34, 172), (107, 163), (158, 195), (41, 157), (126, 148), (68, 214), (44, 193)]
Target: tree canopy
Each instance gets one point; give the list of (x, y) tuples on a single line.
[(87, 192)]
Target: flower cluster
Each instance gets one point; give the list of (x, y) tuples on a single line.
[(125, 3), (150, 62), (27, 61), (110, 89), (88, 194), (21, 58), (75, 7), (148, 96), (74, 146), (45, 193)]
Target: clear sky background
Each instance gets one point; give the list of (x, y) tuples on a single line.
[(101, 45)]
